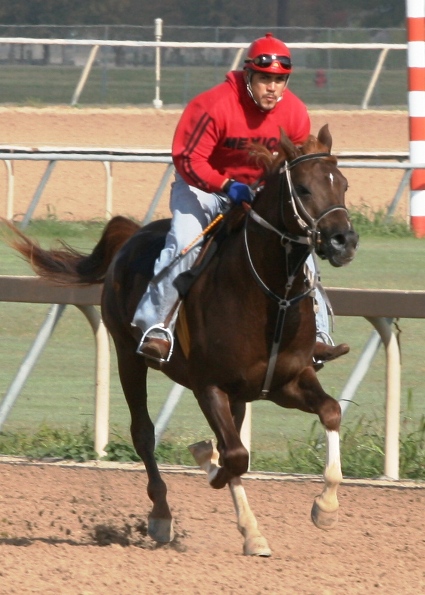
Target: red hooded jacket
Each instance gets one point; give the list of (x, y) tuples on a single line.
[(212, 138)]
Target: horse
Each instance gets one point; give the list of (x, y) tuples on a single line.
[(246, 327)]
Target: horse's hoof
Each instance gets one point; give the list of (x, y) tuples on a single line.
[(161, 530), (256, 546), (322, 519), (202, 451)]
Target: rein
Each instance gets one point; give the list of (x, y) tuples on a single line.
[(311, 239)]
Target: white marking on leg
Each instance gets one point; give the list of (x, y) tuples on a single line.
[(255, 544), (244, 514), (206, 455), (333, 458), (328, 500)]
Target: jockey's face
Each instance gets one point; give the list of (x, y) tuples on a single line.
[(268, 88)]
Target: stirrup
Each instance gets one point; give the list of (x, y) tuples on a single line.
[(324, 337), (163, 330)]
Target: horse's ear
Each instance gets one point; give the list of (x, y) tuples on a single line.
[(288, 147), (325, 137)]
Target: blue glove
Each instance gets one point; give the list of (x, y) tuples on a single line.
[(238, 192)]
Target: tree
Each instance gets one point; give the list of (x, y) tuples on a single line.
[(237, 13), (373, 13)]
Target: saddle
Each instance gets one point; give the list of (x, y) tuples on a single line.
[(231, 221), (176, 319)]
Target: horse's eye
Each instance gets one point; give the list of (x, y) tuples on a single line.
[(302, 191)]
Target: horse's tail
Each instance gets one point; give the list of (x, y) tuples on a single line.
[(67, 266)]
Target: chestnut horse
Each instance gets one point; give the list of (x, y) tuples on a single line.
[(248, 319)]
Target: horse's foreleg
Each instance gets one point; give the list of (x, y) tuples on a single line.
[(206, 455), (324, 513), (254, 542), (308, 395), (232, 459)]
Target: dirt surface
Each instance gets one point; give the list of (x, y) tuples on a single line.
[(82, 531), (77, 190), (72, 530)]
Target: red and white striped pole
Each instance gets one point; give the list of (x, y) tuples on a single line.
[(416, 101)]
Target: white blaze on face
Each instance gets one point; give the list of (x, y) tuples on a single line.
[(331, 177)]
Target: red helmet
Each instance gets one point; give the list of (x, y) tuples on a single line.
[(268, 54)]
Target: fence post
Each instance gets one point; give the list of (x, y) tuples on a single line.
[(157, 103), (10, 188), (84, 75)]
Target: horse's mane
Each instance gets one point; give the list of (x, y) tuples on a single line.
[(286, 151)]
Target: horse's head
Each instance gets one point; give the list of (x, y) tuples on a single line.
[(312, 196)]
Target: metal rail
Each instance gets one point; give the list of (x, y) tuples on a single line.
[(95, 44), (11, 153), (377, 306)]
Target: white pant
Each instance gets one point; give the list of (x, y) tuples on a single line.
[(192, 211)]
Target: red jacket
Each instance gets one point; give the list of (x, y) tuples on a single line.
[(215, 130)]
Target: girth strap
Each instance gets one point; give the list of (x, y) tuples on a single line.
[(274, 352)]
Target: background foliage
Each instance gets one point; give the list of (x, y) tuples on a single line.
[(306, 13)]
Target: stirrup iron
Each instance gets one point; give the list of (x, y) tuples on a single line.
[(163, 330)]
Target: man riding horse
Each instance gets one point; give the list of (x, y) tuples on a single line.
[(211, 154)]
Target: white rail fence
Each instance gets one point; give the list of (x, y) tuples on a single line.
[(379, 307), (10, 154), (96, 44)]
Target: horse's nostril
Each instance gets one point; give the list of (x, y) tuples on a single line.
[(338, 241), (344, 241)]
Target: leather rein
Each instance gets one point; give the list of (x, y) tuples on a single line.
[(310, 238)]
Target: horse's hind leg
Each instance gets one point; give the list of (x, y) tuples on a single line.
[(133, 371)]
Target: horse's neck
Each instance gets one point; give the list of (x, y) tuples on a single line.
[(277, 209), (262, 253)]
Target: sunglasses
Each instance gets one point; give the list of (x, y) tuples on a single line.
[(266, 60)]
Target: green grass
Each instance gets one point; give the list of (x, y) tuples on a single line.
[(362, 449), (40, 85), (59, 395)]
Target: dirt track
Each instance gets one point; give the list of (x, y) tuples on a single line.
[(80, 531), (77, 190)]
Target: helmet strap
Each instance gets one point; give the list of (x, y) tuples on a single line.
[(249, 74)]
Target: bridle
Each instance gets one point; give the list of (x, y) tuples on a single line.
[(310, 238), (306, 222)]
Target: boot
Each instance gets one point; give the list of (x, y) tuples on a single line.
[(324, 353), (155, 348)]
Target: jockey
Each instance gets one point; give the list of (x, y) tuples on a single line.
[(211, 157)]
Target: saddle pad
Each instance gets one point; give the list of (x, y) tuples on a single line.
[(182, 331)]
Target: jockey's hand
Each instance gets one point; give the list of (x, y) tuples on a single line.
[(238, 192)]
